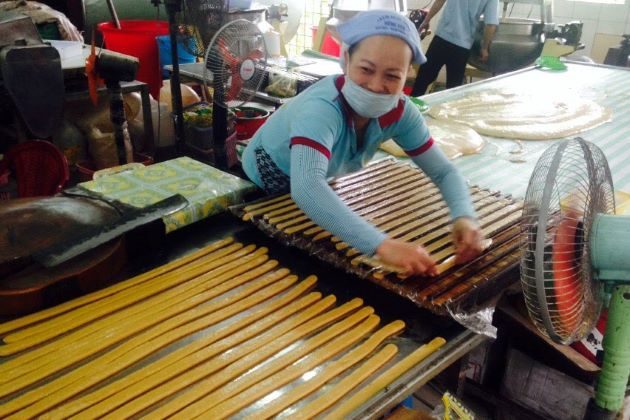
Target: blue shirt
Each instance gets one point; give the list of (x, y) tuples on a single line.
[(460, 19), (312, 138), (319, 118)]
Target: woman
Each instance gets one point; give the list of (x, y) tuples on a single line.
[(336, 126)]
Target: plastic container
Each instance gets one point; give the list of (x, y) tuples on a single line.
[(201, 137), (198, 125), (329, 45), (249, 120), (272, 42), (38, 166), (137, 38), (184, 46)]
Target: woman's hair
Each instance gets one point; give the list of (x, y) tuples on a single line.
[(352, 48)]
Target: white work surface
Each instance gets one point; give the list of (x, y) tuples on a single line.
[(608, 86)]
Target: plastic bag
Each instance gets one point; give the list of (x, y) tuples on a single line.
[(281, 85)]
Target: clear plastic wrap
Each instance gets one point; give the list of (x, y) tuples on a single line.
[(281, 85)]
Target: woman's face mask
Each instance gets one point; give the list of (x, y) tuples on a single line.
[(366, 103)]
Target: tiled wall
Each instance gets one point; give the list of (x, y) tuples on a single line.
[(600, 21)]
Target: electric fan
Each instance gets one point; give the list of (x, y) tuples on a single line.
[(235, 62), (576, 258)]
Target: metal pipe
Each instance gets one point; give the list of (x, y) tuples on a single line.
[(112, 11), (173, 7)]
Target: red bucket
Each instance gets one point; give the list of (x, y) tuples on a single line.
[(137, 38), (329, 45), (249, 120)]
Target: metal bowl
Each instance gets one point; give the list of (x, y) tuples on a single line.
[(516, 44)]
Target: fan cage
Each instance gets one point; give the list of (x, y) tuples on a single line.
[(570, 185), (235, 62)]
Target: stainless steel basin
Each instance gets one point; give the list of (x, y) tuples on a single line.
[(516, 44)]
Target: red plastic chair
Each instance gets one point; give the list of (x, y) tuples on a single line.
[(39, 168)]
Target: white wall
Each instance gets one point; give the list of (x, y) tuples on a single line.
[(603, 23)]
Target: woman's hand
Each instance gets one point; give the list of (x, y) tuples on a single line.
[(467, 238), (411, 258), (484, 53)]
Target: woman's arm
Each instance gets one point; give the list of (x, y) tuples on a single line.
[(467, 235), (311, 192), (488, 34), (445, 175)]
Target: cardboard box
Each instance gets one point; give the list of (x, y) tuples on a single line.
[(476, 362), (543, 389)]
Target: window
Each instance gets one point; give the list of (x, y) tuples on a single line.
[(303, 39)]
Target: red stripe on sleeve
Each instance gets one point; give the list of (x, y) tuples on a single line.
[(420, 150), (392, 116), (312, 144)]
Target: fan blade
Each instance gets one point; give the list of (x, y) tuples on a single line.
[(255, 54), (237, 80), (228, 57), (235, 85), (566, 276)]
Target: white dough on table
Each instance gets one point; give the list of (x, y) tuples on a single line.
[(525, 115)]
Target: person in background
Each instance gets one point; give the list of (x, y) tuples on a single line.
[(454, 38), (335, 127)]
